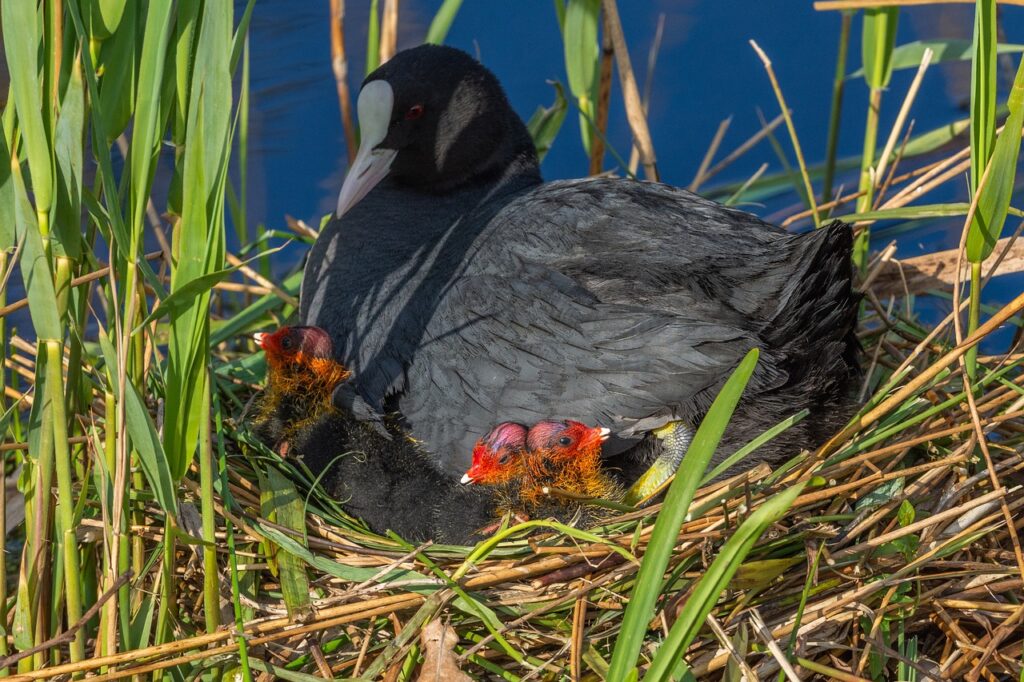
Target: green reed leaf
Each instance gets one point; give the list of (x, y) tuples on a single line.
[(983, 88), (909, 55), (877, 44), (442, 21), (579, 36), (994, 202), (69, 145), (21, 49), (118, 60), (103, 16), (35, 265), (151, 454), (648, 585), (148, 119), (547, 121), (281, 504), (708, 589)]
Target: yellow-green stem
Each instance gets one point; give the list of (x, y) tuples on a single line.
[(211, 589), (108, 617), (3, 463), (838, 86), (867, 185), (43, 218), (163, 618), (136, 375), (37, 515), (65, 498), (973, 318)]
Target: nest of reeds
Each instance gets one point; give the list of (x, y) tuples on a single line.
[(900, 558)]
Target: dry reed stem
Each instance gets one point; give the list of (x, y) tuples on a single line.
[(388, 30), (261, 280), (901, 117), (604, 95), (709, 155), (652, 61), (339, 65), (792, 130), (630, 93)]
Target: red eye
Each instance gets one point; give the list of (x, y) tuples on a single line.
[(414, 112)]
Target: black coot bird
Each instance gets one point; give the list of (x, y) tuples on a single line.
[(462, 289)]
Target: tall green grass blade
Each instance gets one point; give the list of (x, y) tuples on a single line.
[(201, 232), (442, 21), (994, 202), (877, 45), (547, 121), (241, 39), (373, 38), (68, 143), (983, 88), (35, 266), (151, 454), (757, 442), (103, 16), (579, 36), (182, 299), (648, 585), (21, 49), (714, 580), (911, 212), (148, 117), (118, 58), (7, 214), (909, 55), (836, 108), (987, 222), (185, 24)]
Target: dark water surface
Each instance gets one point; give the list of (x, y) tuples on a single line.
[(706, 71)]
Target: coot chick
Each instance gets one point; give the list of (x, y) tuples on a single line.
[(461, 288), (301, 378), (566, 455)]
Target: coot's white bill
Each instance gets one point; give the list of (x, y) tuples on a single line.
[(371, 165)]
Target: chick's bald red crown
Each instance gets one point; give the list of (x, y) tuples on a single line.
[(497, 457), (492, 454), (290, 340)]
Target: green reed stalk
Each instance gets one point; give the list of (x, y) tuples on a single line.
[(878, 42), (211, 575), (65, 500), (983, 126), (836, 110)]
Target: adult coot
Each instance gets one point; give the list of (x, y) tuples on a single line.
[(463, 290)]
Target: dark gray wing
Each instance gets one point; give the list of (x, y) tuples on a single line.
[(540, 346)]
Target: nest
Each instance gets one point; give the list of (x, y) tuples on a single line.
[(898, 558)]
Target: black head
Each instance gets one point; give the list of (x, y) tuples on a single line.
[(435, 119)]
